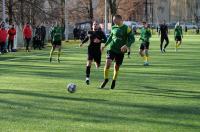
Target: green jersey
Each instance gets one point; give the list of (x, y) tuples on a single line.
[(145, 34), (178, 31), (56, 34), (120, 36)]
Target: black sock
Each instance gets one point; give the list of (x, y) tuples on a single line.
[(88, 71), (129, 53)]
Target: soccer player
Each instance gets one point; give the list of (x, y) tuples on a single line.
[(164, 36), (120, 39), (11, 35), (178, 34), (96, 37), (56, 35), (144, 47)]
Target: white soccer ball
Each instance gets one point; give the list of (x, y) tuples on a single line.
[(71, 88)]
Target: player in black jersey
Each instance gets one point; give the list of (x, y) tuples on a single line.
[(164, 36), (96, 37)]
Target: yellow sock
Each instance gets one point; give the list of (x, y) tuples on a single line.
[(51, 53), (177, 45), (106, 73), (145, 58), (115, 75)]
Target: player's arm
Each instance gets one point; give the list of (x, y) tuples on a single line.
[(104, 38), (167, 30), (131, 38), (181, 32), (85, 40), (107, 42), (159, 31)]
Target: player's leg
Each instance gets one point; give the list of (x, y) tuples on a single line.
[(161, 43), (97, 59), (167, 43), (109, 60), (146, 54), (146, 57), (129, 52), (52, 51), (59, 52), (87, 71), (118, 62), (180, 42), (142, 52), (177, 43)]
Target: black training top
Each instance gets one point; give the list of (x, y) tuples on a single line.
[(93, 36), (163, 30)]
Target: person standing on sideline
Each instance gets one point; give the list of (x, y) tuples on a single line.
[(11, 37), (3, 38), (43, 35), (27, 33), (164, 36)]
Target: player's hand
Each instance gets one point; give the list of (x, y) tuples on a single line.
[(124, 49)]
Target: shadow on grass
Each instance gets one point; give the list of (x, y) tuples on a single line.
[(163, 92), (36, 94), (85, 114)]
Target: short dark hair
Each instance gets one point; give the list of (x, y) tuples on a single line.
[(118, 16), (144, 22)]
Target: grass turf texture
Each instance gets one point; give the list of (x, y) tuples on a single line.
[(162, 97)]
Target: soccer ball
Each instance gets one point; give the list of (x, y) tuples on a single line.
[(71, 88)]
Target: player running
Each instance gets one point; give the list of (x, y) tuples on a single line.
[(56, 35), (164, 36), (120, 39), (96, 37), (144, 47), (178, 35)]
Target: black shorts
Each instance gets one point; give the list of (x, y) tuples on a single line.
[(56, 43), (164, 38), (94, 54), (144, 45), (178, 38), (115, 56)]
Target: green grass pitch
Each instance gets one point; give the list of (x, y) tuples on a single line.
[(164, 97)]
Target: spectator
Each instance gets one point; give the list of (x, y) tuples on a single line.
[(75, 32), (11, 36), (37, 39), (43, 35), (27, 33), (3, 37)]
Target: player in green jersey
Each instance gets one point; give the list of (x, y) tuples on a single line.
[(120, 39), (178, 35)]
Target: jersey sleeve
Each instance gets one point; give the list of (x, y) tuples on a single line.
[(109, 39), (131, 37), (104, 38)]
